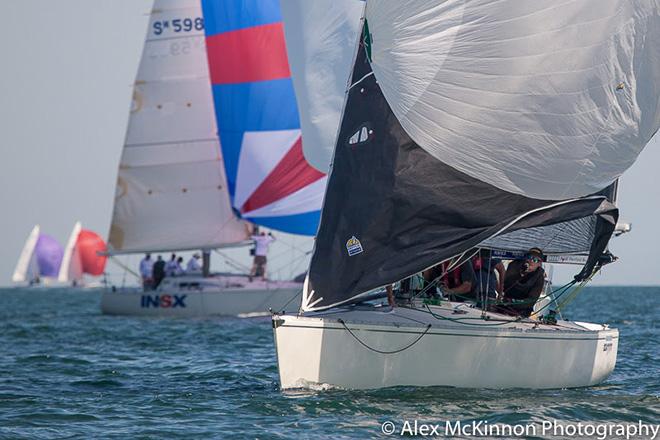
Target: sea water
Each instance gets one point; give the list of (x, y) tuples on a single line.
[(66, 371)]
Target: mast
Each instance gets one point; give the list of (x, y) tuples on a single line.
[(206, 262)]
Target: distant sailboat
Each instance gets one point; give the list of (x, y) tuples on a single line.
[(40, 260), (84, 254), (213, 146), (471, 127)]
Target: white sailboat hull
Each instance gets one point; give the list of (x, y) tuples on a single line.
[(186, 297), (317, 349)]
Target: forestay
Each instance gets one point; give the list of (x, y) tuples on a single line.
[(570, 88), (269, 180), (171, 191)]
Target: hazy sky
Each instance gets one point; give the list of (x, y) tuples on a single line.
[(65, 82)]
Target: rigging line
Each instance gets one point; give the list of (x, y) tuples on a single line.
[(292, 264), (298, 292), (428, 327), (125, 267), (563, 289), (450, 267), (361, 79), (485, 295), (458, 320), (574, 293), (569, 298), (236, 263), (291, 249)]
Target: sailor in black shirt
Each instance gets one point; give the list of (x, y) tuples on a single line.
[(523, 284)]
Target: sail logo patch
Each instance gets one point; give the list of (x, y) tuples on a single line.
[(353, 246), (360, 136)]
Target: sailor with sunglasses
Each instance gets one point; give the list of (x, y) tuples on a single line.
[(523, 284)]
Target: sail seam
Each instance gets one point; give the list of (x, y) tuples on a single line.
[(153, 144)]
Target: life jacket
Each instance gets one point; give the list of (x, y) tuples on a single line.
[(452, 278)]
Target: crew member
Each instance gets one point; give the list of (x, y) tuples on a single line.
[(456, 283), (146, 272), (261, 244), (390, 295), (523, 284), (170, 267), (489, 273), (178, 270), (158, 271), (193, 264)]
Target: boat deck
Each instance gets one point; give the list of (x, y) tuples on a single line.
[(450, 315)]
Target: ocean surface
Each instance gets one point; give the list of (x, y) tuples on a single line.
[(66, 371)]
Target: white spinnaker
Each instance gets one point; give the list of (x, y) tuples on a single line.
[(320, 37), (26, 267), (171, 190), (548, 99), (71, 267)]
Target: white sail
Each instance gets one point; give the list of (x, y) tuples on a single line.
[(26, 267), (541, 98), (71, 268), (321, 36), (171, 191)]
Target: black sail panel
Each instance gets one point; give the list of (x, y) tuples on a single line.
[(391, 209)]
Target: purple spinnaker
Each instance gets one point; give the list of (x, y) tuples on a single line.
[(49, 254)]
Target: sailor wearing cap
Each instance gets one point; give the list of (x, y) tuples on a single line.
[(523, 283)]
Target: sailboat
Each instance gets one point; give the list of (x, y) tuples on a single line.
[(473, 127), (39, 261), (84, 254), (213, 147)]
